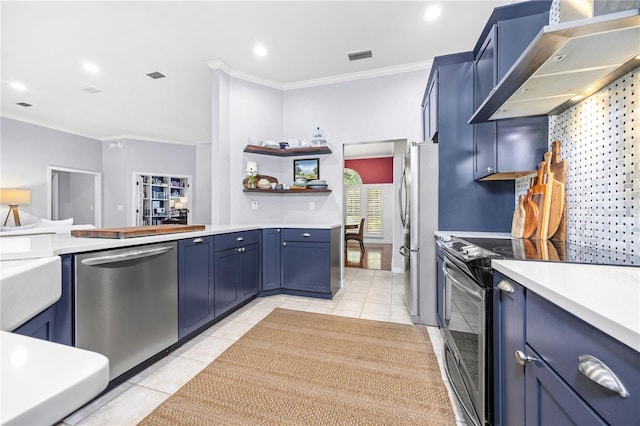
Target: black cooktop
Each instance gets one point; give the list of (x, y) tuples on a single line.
[(553, 251)]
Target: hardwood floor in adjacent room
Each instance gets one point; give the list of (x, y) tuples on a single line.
[(376, 256)]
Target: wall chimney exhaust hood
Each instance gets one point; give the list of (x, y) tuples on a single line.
[(564, 64)]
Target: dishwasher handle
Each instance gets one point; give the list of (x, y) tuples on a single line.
[(123, 257)]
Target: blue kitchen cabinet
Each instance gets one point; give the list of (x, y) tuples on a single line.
[(55, 323), (509, 336), (513, 145), (236, 269), (195, 284), (271, 260), (311, 262), (543, 383)]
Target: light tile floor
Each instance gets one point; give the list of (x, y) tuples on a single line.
[(369, 294)]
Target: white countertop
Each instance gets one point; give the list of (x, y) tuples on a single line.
[(27, 287), (42, 381), (34, 246), (607, 297)]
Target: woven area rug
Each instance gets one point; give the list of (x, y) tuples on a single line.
[(303, 368)]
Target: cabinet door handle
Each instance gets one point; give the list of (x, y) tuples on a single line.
[(506, 287), (278, 230), (284, 244), (239, 239), (489, 169), (523, 359), (197, 240), (240, 250), (597, 371), (306, 235)]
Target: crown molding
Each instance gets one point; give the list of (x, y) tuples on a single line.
[(361, 75), (48, 126), (340, 78)]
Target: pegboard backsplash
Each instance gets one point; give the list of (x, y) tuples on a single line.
[(600, 138)]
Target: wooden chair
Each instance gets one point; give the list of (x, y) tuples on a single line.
[(358, 236)]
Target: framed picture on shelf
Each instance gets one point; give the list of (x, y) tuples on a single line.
[(308, 168)]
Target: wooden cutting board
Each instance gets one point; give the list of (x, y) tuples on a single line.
[(519, 215), (531, 216), (558, 231), (135, 231), (541, 192)]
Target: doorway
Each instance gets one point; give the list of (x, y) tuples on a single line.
[(76, 194), (377, 203)]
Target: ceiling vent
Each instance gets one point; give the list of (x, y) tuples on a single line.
[(356, 56), (156, 75), (24, 104), (91, 90)]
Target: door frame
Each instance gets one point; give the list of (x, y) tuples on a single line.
[(97, 191)]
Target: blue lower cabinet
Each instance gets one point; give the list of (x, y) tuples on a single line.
[(237, 269), (195, 284), (271, 260), (550, 401), (55, 323), (509, 336), (306, 267)]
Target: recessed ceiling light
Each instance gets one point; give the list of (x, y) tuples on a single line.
[(432, 13), (24, 104), (18, 86), (90, 67), (260, 50), (156, 75)]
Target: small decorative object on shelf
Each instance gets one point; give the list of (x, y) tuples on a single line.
[(317, 137)]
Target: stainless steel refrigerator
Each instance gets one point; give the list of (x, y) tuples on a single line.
[(419, 216)]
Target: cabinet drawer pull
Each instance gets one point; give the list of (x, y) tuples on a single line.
[(306, 235), (597, 371), (284, 244), (240, 250), (239, 239), (523, 359), (197, 240), (489, 169), (506, 287)]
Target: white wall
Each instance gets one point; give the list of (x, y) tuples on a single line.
[(381, 108), (26, 152), (201, 194), (121, 160)]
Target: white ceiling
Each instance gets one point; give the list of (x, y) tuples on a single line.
[(45, 43)]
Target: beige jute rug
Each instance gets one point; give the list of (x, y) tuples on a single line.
[(303, 368)]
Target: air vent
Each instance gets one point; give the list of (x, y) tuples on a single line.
[(356, 56), (24, 104), (156, 75), (91, 90)]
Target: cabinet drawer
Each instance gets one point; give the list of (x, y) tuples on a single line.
[(236, 239), (310, 235), (560, 338)]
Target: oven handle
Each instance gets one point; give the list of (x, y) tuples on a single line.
[(446, 295), (476, 295)]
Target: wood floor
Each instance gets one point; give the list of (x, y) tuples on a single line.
[(376, 256)]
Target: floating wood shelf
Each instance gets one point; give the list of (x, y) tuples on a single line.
[(289, 152), (287, 191)]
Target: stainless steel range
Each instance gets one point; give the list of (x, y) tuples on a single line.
[(467, 325)]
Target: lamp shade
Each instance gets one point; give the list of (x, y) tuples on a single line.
[(15, 196)]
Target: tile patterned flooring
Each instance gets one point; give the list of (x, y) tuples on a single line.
[(369, 294)]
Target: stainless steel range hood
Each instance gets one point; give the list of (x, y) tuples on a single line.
[(564, 64)]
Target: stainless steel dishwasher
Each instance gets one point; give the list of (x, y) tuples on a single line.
[(127, 303)]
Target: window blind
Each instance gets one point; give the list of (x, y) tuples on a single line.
[(374, 211)]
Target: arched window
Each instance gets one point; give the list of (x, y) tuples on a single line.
[(351, 177)]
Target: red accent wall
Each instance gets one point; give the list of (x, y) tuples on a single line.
[(372, 170)]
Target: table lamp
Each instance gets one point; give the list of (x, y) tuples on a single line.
[(14, 198)]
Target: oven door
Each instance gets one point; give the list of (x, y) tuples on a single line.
[(465, 339)]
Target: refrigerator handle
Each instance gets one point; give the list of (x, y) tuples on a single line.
[(402, 200)]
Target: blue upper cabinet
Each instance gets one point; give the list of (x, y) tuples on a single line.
[(506, 149), (430, 111)]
